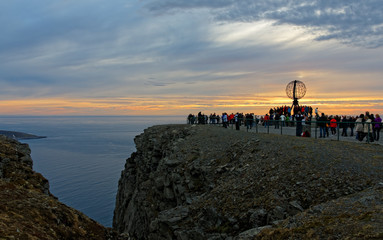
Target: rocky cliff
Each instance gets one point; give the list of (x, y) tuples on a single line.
[(207, 182), (28, 210)]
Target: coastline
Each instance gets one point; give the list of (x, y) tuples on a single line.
[(19, 135)]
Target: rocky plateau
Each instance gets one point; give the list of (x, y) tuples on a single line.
[(208, 182)]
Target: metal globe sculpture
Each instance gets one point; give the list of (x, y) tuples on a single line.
[(296, 90)]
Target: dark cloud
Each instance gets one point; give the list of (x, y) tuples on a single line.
[(352, 22), (171, 5), (156, 83)]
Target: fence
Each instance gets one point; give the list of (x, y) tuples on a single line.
[(313, 127)]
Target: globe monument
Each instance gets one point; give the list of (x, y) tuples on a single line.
[(295, 90)]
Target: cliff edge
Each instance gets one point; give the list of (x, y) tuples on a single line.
[(207, 182), (28, 210)]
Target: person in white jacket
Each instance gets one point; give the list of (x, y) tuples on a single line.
[(368, 131), (283, 119), (359, 129)]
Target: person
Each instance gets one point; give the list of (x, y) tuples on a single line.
[(230, 118), (345, 125), (237, 121), (333, 125), (276, 120), (299, 117), (352, 125), (368, 128), (249, 120), (283, 119), (316, 112), (378, 126), (307, 126), (322, 125), (224, 120), (359, 129), (266, 120), (288, 120)]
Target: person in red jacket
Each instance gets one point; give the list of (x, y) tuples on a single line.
[(333, 125), (266, 119)]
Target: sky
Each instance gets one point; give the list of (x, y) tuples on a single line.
[(173, 57)]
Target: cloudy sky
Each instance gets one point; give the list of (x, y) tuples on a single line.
[(150, 57)]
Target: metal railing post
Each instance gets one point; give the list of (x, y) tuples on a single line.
[(281, 127), (256, 127), (268, 126)]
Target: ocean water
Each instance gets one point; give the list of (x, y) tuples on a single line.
[(82, 157)]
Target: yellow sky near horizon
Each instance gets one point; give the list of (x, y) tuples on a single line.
[(179, 105)]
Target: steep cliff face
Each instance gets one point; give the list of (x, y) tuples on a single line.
[(28, 210), (151, 182), (16, 166), (206, 182)]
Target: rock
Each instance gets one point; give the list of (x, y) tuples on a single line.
[(174, 215), (231, 181), (168, 193), (172, 162), (29, 210), (296, 205), (258, 217), (251, 233), (277, 214)]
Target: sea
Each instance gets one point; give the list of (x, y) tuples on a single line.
[(83, 156)]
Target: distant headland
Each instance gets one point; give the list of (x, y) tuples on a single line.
[(19, 135)]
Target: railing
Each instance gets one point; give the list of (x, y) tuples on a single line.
[(309, 125), (285, 127)]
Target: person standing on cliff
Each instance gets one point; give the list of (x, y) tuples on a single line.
[(378, 126), (283, 119), (333, 125), (367, 129), (359, 127), (276, 121), (299, 117), (266, 120), (224, 120), (322, 125), (237, 121)]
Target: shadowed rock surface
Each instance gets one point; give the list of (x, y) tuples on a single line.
[(207, 182), (29, 211)]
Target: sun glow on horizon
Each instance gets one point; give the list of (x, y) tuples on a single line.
[(181, 105)]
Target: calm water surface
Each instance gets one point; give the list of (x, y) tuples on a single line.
[(82, 157)]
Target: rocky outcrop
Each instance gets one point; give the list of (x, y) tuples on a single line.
[(207, 182), (29, 211)]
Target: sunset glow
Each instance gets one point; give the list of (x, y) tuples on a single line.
[(166, 58), (183, 106)]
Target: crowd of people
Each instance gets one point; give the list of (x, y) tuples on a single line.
[(365, 126)]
